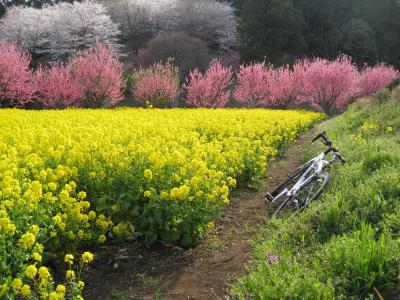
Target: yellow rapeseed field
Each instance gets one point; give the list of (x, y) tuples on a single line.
[(75, 178)]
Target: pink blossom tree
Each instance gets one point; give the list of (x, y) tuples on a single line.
[(158, 84), (56, 88), (211, 89), (256, 85), (329, 85), (289, 83), (99, 74), (16, 88), (375, 78)]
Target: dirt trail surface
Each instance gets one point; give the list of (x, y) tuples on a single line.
[(130, 271)]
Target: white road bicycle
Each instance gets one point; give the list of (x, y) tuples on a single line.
[(308, 182)]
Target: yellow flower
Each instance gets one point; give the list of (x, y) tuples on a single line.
[(164, 195), (87, 257), (211, 226), (148, 174), (39, 248), (195, 154), (27, 240), (231, 181), (81, 284), (6, 223), (80, 234), (92, 215), (17, 284), (3, 289), (175, 193), (69, 259), (36, 256), (25, 291), (54, 296), (224, 190), (31, 271), (70, 274), (52, 186), (60, 289), (57, 219), (82, 195), (102, 239), (35, 229), (389, 129), (44, 273)]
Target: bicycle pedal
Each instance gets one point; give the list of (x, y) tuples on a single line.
[(268, 197)]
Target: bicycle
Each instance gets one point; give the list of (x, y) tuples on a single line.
[(308, 182)]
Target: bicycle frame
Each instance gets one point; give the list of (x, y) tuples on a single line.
[(311, 173), (317, 165)]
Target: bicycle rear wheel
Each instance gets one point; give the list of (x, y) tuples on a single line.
[(290, 181)]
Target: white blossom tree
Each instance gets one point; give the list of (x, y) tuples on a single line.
[(59, 31), (210, 20)]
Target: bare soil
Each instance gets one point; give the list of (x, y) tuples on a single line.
[(130, 271)]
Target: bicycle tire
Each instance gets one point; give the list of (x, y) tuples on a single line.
[(281, 206), (326, 177)]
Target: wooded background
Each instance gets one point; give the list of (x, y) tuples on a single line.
[(278, 30)]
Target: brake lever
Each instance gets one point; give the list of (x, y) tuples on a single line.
[(339, 156), (319, 136)]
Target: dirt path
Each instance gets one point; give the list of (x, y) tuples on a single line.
[(204, 272)]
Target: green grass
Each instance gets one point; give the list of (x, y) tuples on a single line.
[(347, 244)]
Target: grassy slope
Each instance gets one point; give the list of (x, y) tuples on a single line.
[(346, 244)]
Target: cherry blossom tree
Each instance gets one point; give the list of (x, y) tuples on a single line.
[(289, 81), (99, 73), (56, 87), (212, 21), (256, 85), (58, 31), (139, 18), (211, 89), (158, 84), (16, 87), (375, 78), (330, 85)]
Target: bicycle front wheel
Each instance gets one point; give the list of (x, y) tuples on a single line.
[(282, 206), (306, 195), (313, 190)]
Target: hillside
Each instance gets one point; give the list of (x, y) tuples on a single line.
[(346, 244)]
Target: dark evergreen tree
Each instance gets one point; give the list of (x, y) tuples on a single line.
[(359, 41), (272, 29), (367, 30)]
